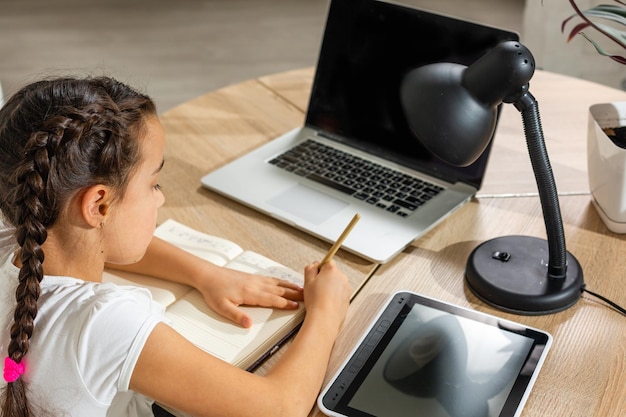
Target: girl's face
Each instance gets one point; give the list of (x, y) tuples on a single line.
[(130, 224)]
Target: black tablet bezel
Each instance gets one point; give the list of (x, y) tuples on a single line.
[(335, 397)]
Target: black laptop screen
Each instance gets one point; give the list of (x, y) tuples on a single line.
[(367, 48)]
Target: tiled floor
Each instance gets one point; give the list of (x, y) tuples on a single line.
[(176, 50)]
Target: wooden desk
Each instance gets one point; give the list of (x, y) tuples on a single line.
[(585, 371), (584, 374)]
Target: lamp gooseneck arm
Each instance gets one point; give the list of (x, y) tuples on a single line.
[(557, 263)]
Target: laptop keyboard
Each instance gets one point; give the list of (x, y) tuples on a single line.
[(382, 187)]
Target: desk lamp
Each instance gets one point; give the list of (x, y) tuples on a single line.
[(452, 110)]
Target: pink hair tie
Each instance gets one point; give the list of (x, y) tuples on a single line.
[(12, 369)]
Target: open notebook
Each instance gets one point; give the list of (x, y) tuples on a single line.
[(190, 316)]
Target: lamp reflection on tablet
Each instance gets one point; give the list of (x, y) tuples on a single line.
[(452, 109), (432, 361)]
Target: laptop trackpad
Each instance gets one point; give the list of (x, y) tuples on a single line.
[(307, 203)]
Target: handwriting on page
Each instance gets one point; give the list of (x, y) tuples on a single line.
[(255, 263), (223, 252), (211, 248)]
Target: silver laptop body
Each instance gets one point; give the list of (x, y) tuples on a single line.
[(354, 125)]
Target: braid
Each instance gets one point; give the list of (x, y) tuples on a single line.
[(31, 177), (30, 234), (58, 137)]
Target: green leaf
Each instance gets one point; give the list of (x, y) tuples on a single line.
[(590, 17), (617, 58)]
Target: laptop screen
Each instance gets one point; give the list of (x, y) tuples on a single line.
[(367, 48)]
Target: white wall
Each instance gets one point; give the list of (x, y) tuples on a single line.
[(541, 33)]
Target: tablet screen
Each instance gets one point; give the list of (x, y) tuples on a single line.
[(422, 357)]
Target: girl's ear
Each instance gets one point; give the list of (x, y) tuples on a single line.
[(94, 204)]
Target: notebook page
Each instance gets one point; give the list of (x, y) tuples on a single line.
[(203, 327), (255, 263), (211, 248)]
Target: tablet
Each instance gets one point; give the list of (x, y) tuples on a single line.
[(423, 357)]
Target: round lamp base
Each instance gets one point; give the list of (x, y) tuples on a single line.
[(511, 274)]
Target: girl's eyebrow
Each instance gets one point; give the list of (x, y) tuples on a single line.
[(159, 168)]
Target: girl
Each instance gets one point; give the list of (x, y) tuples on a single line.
[(79, 167)]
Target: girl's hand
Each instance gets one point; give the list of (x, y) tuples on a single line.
[(226, 291), (326, 291)]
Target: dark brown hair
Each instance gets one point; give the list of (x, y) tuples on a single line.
[(58, 137)]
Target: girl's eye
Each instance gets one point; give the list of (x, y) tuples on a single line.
[(157, 187)]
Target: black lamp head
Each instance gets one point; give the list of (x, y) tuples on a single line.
[(452, 108)]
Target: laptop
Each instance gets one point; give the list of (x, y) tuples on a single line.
[(355, 152)]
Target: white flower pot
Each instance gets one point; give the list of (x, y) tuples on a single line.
[(606, 164)]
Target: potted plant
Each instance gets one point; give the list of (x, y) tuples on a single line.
[(606, 147), (607, 19)]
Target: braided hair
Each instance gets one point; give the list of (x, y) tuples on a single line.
[(58, 137)]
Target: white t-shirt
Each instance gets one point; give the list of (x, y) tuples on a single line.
[(86, 342), (6, 237)]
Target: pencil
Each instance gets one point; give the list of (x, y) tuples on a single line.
[(342, 237)]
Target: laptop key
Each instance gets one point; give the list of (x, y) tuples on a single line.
[(432, 191), (405, 204), (331, 184), (416, 201)]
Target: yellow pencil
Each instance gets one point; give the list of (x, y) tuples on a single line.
[(342, 237)]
